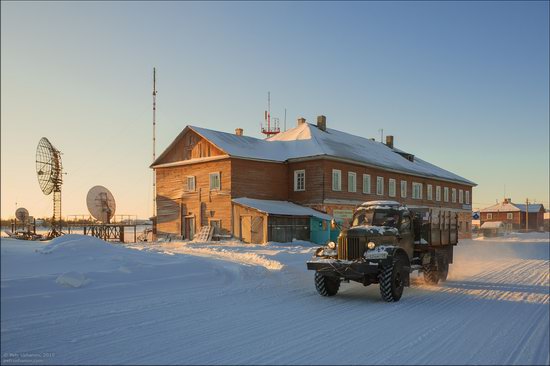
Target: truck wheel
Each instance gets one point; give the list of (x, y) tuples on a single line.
[(431, 275), (443, 267), (391, 281), (326, 286)]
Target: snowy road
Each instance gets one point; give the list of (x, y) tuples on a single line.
[(239, 304)]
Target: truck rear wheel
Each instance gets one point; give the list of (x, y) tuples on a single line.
[(431, 274), (392, 281), (325, 285)]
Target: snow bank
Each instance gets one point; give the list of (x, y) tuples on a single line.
[(76, 244)]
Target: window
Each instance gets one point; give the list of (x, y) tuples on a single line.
[(417, 191), (336, 180), (391, 188), (215, 183), (438, 193), (403, 188), (299, 180), (446, 194), (453, 195), (429, 192), (510, 216), (460, 196), (366, 183), (467, 197), (352, 182), (380, 186), (489, 216), (190, 184)]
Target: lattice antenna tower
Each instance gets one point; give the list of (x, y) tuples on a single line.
[(267, 129)]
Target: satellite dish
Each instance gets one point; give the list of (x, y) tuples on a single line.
[(49, 171), (101, 204), (22, 214)]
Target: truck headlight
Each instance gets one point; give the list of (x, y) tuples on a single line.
[(371, 245), (331, 245)]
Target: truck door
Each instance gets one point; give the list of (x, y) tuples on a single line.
[(407, 238)]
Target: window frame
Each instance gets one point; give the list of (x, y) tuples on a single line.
[(445, 194), (379, 192), (392, 183), (460, 196), (403, 189), (467, 197), (417, 188), (194, 180), (489, 215), (214, 174), (296, 180), (354, 175), (509, 216), (453, 195), (429, 192), (338, 173), (367, 179), (438, 193)]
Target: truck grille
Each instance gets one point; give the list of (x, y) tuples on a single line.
[(350, 248)]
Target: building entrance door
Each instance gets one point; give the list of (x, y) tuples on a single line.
[(246, 228), (189, 228)]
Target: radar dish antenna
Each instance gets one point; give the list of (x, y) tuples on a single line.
[(22, 215), (50, 172), (101, 204)]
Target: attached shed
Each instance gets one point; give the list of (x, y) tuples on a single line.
[(260, 221), (492, 228)]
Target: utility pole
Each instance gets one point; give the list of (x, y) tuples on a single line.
[(381, 135), (527, 214), (154, 139)]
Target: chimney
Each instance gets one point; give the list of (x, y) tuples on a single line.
[(238, 131), (322, 123), (301, 121), (389, 141)]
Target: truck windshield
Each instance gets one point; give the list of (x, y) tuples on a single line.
[(376, 218)]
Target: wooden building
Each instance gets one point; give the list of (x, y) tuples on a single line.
[(202, 171), (515, 216)]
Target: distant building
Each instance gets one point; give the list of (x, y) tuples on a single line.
[(203, 174), (514, 216)]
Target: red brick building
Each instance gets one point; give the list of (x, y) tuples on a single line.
[(203, 170), (514, 216)]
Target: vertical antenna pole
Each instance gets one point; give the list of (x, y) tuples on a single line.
[(269, 111), (285, 119), (154, 139)]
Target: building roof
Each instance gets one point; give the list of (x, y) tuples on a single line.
[(280, 208), (306, 141), (512, 207), (492, 225)]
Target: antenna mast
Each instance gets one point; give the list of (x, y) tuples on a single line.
[(154, 138), (267, 120)]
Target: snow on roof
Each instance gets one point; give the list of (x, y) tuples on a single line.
[(492, 225), (307, 140), (380, 203), (512, 207), (280, 208)]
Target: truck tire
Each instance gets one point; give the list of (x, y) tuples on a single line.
[(326, 286), (442, 266), (391, 281), (431, 274)]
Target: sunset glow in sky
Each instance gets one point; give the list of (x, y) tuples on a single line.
[(463, 85)]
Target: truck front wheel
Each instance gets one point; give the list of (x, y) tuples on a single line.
[(392, 281), (325, 285)]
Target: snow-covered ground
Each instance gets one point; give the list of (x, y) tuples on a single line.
[(80, 300)]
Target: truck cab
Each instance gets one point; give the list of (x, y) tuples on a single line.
[(384, 244)]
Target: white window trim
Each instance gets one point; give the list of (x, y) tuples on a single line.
[(460, 196), (194, 183), (218, 174), (419, 186), (366, 183), (429, 192), (296, 174), (489, 216), (354, 187), (403, 189), (445, 194), (338, 188), (453, 195), (510, 216), (467, 197), (392, 183), (438, 193), (379, 192)]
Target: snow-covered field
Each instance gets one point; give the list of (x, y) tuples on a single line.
[(79, 300)]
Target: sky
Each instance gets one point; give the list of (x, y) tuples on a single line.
[(463, 85)]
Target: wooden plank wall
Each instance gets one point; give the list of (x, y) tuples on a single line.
[(257, 179)]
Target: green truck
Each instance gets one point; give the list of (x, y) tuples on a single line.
[(384, 244)]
